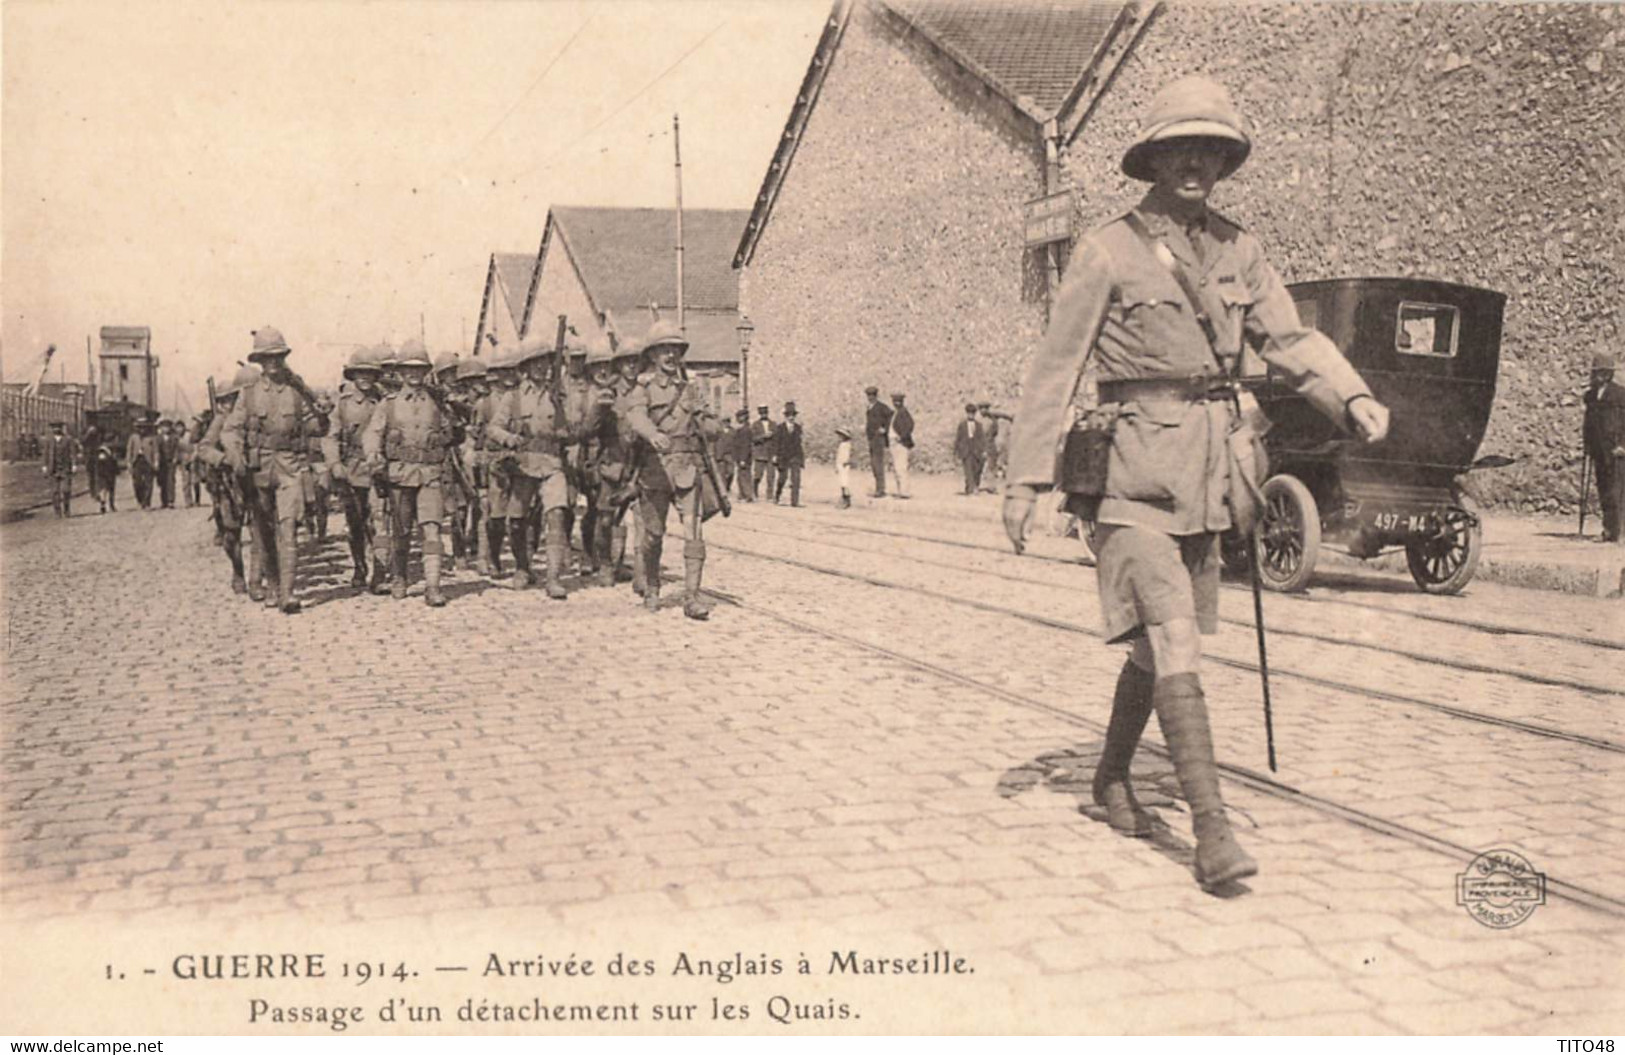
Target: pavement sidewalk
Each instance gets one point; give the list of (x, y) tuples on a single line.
[(1532, 551)]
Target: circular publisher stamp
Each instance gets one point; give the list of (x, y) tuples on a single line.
[(1501, 889)]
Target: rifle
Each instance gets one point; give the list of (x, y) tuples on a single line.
[(706, 462), (214, 400)]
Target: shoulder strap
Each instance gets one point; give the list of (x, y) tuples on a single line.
[(1167, 259)]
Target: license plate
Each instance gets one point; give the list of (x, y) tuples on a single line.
[(1401, 523)]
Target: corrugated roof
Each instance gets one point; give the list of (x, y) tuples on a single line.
[(1037, 49), (627, 257)]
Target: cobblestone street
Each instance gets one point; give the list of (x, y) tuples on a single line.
[(883, 738)]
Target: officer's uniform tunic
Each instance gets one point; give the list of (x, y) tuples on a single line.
[(272, 424), (412, 435), (524, 424), (1166, 478), (351, 475), (662, 404)]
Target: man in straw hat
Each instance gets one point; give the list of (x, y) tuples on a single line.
[(271, 425), (1161, 361)]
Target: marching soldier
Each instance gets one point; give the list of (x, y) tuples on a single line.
[(61, 457), (503, 373), (608, 466), (532, 424), (452, 490), (271, 424), (474, 385), (1162, 362), (352, 479), (671, 417), (141, 455), (319, 481), (223, 472), (407, 440), (580, 397), (631, 362)]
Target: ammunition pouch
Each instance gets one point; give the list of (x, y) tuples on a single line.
[(1084, 458)]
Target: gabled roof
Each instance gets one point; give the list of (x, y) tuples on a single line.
[(1034, 53), (513, 275), (627, 257), (1037, 55)]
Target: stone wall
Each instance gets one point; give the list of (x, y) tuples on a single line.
[(894, 256), (1478, 144)]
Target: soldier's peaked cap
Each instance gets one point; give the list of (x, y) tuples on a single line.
[(1191, 107), (268, 342), (413, 353)]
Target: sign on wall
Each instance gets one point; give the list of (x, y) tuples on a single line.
[(1047, 220)]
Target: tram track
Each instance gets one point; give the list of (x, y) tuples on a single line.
[(1251, 779), (1276, 671), (1480, 626), (1276, 630)]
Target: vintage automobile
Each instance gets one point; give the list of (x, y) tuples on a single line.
[(1430, 351)]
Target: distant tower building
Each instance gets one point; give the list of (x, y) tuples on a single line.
[(129, 369)]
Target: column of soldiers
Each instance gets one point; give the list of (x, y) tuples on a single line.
[(472, 455)]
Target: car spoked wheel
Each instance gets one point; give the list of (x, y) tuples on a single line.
[(1446, 561), (1288, 535)]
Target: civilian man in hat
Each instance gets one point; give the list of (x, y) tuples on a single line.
[(1604, 433), (764, 441), (902, 443), (407, 439), (61, 456), (352, 478), (790, 457), (969, 447), (742, 456), (726, 462), (1163, 505), (141, 455), (102, 465), (671, 416), (877, 423), (271, 425), (169, 459)]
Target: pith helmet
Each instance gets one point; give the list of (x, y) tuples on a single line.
[(576, 348), (385, 355), (598, 351), (362, 359), (445, 361), (1191, 107), (664, 333), (503, 358), (534, 348), (470, 368), (268, 342), (413, 353), (626, 350)]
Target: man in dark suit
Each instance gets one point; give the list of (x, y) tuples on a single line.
[(969, 446), (743, 460), (1604, 432), (902, 433), (764, 439), (877, 421), (61, 456), (791, 457), (169, 450)]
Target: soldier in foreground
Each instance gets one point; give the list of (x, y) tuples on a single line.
[(271, 425), (671, 417), (474, 388), (1161, 505), (531, 423), (352, 479), (501, 468), (408, 440), (630, 362)]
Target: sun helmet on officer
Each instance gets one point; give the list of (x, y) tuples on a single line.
[(412, 353), (362, 360), (1193, 107), (665, 333), (268, 342)]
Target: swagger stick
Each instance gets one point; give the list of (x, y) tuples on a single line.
[(1263, 657)]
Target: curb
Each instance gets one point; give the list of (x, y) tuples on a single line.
[(1605, 579)]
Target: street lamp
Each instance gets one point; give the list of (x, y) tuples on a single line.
[(745, 329)]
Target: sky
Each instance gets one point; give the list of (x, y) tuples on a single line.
[(340, 169)]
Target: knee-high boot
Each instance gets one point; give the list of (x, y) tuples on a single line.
[(650, 552), (590, 549), (607, 538), (640, 559), (519, 536), (695, 606), (1113, 788), (1182, 713), (494, 529), (558, 551), (400, 555), (482, 541), (256, 565), (287, 546), (233, 545)]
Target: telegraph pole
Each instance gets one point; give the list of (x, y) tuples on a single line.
[(677, 147)]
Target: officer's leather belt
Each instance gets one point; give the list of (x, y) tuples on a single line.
[(685, 445), (1194, 388), (541, 446), (407, 452)]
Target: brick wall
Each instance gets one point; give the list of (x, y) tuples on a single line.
[(894, 253), (1474, 143)]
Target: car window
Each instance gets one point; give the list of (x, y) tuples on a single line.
[(1426, 329)]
